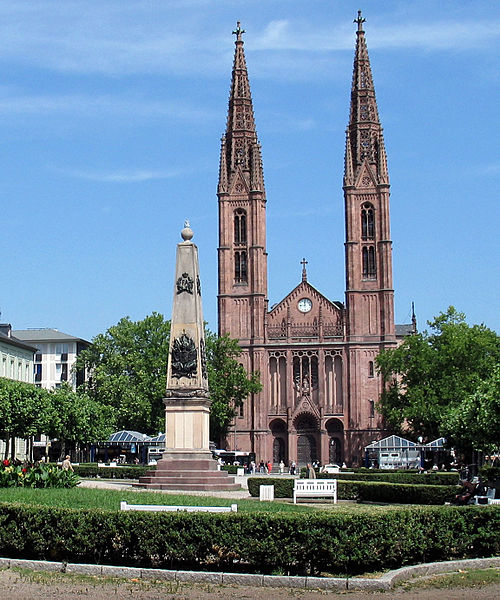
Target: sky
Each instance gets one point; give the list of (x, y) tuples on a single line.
[(111, 115)]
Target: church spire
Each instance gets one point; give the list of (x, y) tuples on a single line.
[(239, 144), (364, 130)]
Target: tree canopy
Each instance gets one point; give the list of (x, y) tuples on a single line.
[(432, 377), (228, 382), (128, 371)]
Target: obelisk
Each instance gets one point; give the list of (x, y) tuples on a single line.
[(187, 462)]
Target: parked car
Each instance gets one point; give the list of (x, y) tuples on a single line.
[(330, 469)]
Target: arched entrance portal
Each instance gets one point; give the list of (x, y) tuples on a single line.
[(307, 438), (335, 430), (280, 441)]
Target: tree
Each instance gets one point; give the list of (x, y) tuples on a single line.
[(475, 423), (128, 371), (76, 418), (433, 374), (228, 382), (24, 411), (127, 367)]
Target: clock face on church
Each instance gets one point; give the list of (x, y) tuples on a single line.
[(304, 305)]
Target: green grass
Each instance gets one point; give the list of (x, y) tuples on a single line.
[(110, 500), (461, 579)]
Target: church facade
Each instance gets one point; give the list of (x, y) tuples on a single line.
[(316, 357)]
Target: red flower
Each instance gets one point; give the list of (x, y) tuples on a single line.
[(24, 470), (6, 462)]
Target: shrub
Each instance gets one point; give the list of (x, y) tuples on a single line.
[(365, 491), (36, 476), (396, 477), (322, 542), (126, 472)]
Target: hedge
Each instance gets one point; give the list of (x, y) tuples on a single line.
[(394, 477), (315, 543), (126, 472), (364, 491)]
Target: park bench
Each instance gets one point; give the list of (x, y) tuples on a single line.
[(167, 508), (315, 488)]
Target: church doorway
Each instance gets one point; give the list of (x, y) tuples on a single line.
[(307, 439), (280, 441), (335, 430)]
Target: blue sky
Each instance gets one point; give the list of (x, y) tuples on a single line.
[(110, 121)]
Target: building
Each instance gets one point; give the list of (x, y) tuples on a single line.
[(316, 357), (55, 356), (16, 362)]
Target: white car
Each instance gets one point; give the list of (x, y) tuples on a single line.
[(330, 469)]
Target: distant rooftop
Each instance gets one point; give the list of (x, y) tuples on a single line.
[(14, 341), (404, 329), (45, 335)]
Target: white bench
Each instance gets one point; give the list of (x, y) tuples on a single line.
[(166, 508), (315, 488)]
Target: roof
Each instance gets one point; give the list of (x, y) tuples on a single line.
[(46, 335), (392, 442), (404, 329), (128, 436), (13, 341)]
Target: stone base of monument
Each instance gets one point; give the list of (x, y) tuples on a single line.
[(186, 472)]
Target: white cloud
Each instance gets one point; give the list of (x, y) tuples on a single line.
[(131, 176), (13, 101)]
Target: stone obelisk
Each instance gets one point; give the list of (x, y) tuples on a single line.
[(187, 462)]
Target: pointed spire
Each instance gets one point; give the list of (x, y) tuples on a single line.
[(222, 188), (240, 145), (365, 132), (348, 168)]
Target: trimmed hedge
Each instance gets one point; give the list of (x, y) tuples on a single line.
[(391, 477), (125, 472), (364, 491), (323, 542)]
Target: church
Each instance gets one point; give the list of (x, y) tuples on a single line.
[(315, 356)]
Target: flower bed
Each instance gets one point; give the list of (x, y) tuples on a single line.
[(36, 476)]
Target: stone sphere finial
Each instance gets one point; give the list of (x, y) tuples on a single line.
[(187, 232)]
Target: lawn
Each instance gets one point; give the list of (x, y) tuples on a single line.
[(110, 500)]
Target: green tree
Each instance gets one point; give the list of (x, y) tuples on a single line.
[(75, 418), (128, 371), (127, 367), (228, 381), (24, 411), (432, 374), (475, 423)]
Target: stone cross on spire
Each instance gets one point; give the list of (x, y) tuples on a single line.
[(359, 21), (303, 262), (238, 32)]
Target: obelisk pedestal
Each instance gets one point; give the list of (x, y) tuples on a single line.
[(187, 462)]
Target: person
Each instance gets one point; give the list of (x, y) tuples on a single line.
[(310, 472), (292, 467), (136, 461), (66, 464), (344, 466), (262, 468), (269, 467), (282, 467)]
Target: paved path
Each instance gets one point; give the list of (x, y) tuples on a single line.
[(119, 484)]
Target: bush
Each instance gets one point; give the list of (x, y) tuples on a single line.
[(321, 542), (397, 477), (126, 472), (365, 491), (36, 476)]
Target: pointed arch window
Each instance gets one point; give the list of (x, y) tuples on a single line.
[(240, 227), (369, 266), (240, 267), (367, 222)]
